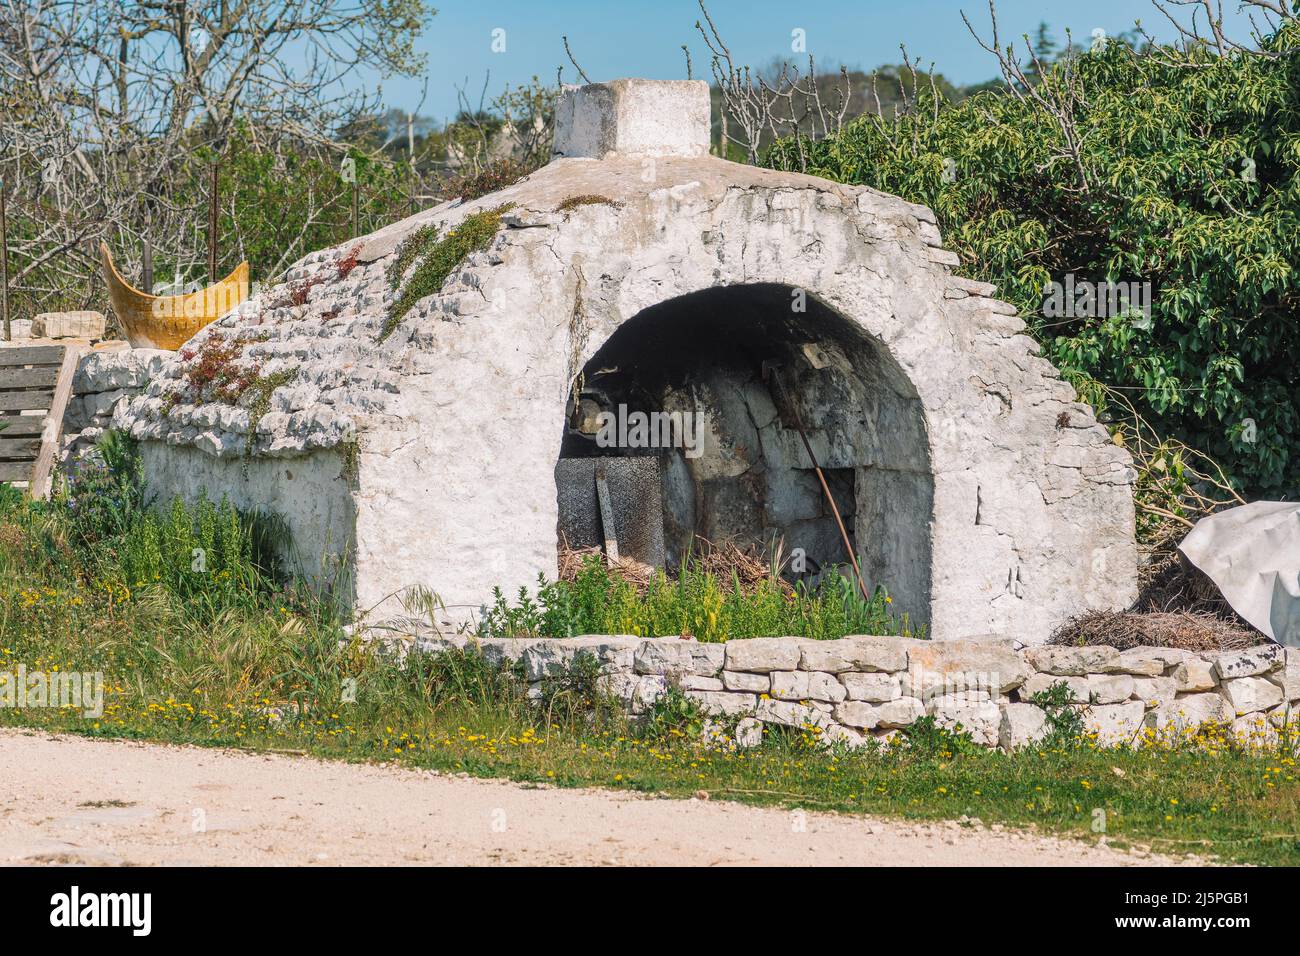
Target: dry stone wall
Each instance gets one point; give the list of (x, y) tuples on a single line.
[(105, 379), (858, 689)]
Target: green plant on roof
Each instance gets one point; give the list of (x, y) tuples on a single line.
[(573, 202), (413, 247), (435, 259)]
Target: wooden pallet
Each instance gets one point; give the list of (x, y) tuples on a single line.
[(35, 385)]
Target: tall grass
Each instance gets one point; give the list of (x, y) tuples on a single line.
[(199, 632), (697, 603)]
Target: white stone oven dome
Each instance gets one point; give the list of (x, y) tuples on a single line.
[(638, 270)]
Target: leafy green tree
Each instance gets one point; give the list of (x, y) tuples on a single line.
[(1176, 166)]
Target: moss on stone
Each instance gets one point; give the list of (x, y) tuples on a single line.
[(573, 202), (260, 389), (436, 259), (415, 246)]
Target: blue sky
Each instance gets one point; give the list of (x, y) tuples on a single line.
[(613, 39)]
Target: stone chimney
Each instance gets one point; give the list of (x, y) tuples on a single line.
[(633, 118)]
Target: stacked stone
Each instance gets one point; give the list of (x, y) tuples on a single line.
[(318, 340), (857, 689), (105, 379)]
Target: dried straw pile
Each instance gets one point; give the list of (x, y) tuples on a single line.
[(727, 562), (1189, 630), (1177, 606)]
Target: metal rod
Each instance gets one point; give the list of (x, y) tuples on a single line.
[(826, 489), (4, 265), (410, 157), (607, 516), (212, 222), (146, 283), (356, 213)]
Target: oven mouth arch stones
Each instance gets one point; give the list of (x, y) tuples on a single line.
[(427, 456)]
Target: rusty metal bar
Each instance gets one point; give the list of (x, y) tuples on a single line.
[(835, 509)]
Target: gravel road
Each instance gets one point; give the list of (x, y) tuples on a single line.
[(72, 800)]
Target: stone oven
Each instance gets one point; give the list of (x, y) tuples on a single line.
[(636, 279)]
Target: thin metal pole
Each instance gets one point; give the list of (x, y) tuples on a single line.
[(146, 282), (356, 213), (213, 201), (835, 509), (410, 155), (4, 265)]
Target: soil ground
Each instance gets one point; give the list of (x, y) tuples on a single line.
[(67, 799)]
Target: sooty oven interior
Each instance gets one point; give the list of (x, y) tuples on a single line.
[(684, 425)]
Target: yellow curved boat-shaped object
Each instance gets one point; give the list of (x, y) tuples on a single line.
[(169, 321)]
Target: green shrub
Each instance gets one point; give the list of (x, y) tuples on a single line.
[(1064, 719), (575, 697), (1181, 168), (204, 550), (103, 494), (498, 175), (435, 259), (101, 525), (695, 603), (925, 737), (676, 715), (439, 679)]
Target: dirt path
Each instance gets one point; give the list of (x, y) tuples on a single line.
[(66, 799)]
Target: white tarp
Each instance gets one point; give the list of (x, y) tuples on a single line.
[(1252, 552)]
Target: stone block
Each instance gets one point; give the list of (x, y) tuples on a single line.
[(807, 685), (1040, 683), (1251, 662), (555, 657), (1021, 725), (749, 733), (707, 657), (1147, 661), (981, 720), (638, 693), (1190, 711), (1110, 688), (753, 683), (761, 655), (696, 682), (503, 650), (1194, 676), (899, 713), (633, 117), (874, 688), (856, 713), (68, 325), (1155, 691), (844, 736), (1114, 724), (1288, 676), (1071, 661), (19, 329), (854, 654), (664, 655), (939, 667), (724, 703), (1247, 695), (104, 370), (1255, 732), (941, 703), (102, 404), (789, 714), (1284, 716)]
